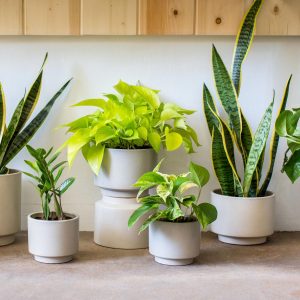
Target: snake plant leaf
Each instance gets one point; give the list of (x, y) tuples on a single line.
[(274, 143), (243, 42), (2, 112), (259, 143), (227, 93), (28, 132)]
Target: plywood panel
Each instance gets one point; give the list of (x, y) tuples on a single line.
[(109, 17), (166, 17), (218, 17), (279, 17), (52, 17), (11, 17)]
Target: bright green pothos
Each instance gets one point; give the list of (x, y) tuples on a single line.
[(171, 202), (15, 135), (237, 132), (134, 118), (47, 173), (287, 126)]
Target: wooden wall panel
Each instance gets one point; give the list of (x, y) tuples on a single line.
[(109, 17), (217, 17), (52, 17), (167, 17), (11, 17)]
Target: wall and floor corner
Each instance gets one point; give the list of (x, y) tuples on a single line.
[(177, 66)]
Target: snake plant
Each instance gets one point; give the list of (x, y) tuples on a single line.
[(287, 126), (15, 135), (236, 133)]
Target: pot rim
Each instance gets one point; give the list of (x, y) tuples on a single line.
[(176, 223), (12, 172), (75, 217), (269, 194), (130, 150)]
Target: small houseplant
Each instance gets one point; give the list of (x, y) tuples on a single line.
[(287, 126), (174, 214), (52, 234), (244, 204), (13, 138), (120, 141)]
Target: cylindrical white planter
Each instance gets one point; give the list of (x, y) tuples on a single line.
[(10, 206), (53, 241), (111, 224), (243, 220), (174, 244), (121, 168)]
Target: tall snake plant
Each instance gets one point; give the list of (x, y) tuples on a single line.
[(237, 133), (15, 136)]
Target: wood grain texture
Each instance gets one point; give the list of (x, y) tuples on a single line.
[(52, 17), (166, 17), (217, 17), (109, 17), (11, 17)]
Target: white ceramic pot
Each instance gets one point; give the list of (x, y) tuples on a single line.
[(121, 168), (111, 224), (243, 220), (174, 244), (53, 241), (10, 206)]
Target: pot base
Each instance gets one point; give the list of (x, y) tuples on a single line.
[(7, 239), (53, 260), (241, 241), (174, 262)]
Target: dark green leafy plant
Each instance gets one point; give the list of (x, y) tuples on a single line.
[(47, 173), (171, 202), (135, 118), (237, 132), (287, 126), (14, 136)]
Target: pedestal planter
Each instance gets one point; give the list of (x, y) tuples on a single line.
[(174, 243), (119, 171), (10, 206), (243, 221), (53, 241)]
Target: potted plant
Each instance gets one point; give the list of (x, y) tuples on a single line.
[(53, 235), (287, 126), (244, 204), (120, 141), (13, 137), (174, 214)]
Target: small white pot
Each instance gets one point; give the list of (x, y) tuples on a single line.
[(174, 244), (53, 242), (243, 220), (121, 168), (10, 206)]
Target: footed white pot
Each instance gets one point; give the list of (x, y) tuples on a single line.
[(53, 242), (243, 220), (10, 206), (121, 168), (111, 224), (174, 244)]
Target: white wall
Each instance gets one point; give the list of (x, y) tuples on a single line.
[(177, 66)]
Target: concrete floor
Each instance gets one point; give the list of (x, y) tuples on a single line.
[(270, 271)]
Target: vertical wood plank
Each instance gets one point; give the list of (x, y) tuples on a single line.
[(109, 17), (11, 17), (218, 17), (52, 17), (167, 17), (278, 17)]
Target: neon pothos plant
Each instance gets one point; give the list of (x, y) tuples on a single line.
[(135, 118), (47, 173), (287, 126), (15, 135), (171, 202), (237, 132)]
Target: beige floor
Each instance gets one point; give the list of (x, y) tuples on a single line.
[(270, 271)]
